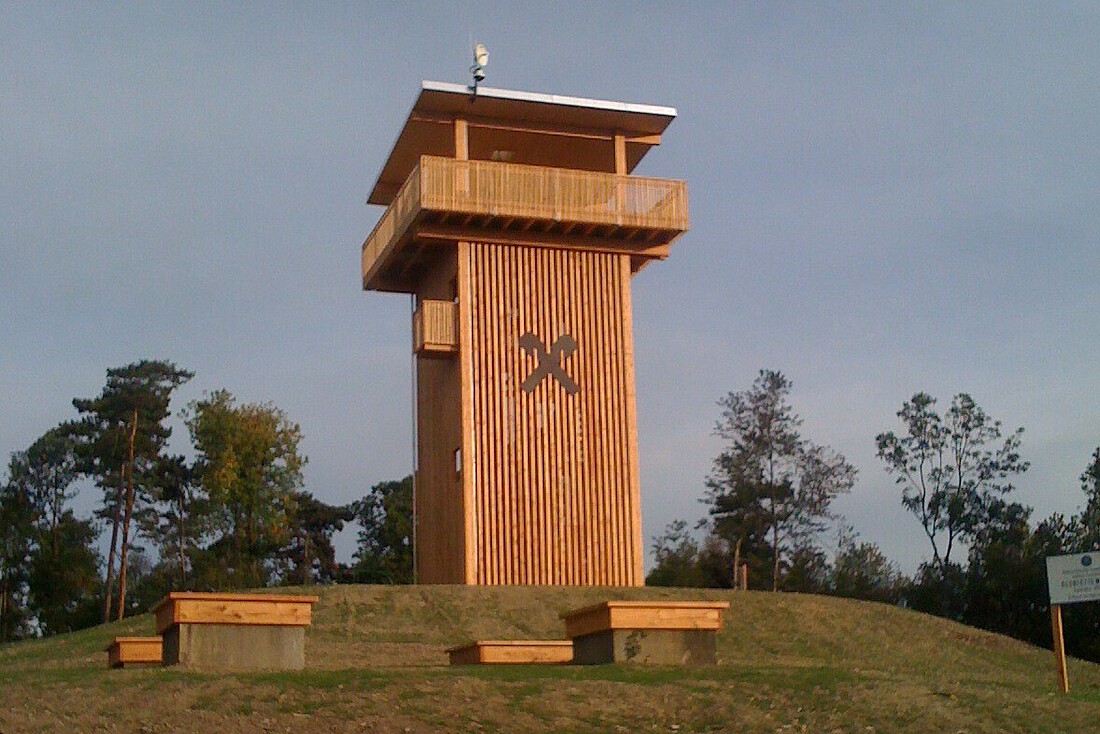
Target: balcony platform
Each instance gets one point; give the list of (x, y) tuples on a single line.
[(445, 200)]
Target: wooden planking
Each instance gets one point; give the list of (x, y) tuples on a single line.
[(644, 615), (555, 480), (233, 609), (135, 651), (525, 652)]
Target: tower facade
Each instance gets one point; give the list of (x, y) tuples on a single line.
[(515, 221)]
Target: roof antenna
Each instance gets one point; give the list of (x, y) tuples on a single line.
[(481, 60)]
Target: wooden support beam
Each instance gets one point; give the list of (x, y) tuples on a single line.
[(1059, 646), (442, 234), (542, 128), (462, 140), (620, 154)]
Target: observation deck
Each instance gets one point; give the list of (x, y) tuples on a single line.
[(445, 199)]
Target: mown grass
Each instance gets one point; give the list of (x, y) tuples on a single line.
[(376, 661)]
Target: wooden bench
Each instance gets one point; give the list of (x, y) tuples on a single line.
[(234, 631), (512, 652), (125, 651), (660, 632)]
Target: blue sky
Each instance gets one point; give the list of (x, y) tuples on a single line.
[(885, 198)]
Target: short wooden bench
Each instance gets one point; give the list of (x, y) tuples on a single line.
[(512, 652), (234, 631), (661, 632), (125, 651)]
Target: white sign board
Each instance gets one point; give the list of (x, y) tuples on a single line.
[(1074, 578)]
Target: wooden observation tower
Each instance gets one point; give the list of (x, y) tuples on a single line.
[(515, 221)]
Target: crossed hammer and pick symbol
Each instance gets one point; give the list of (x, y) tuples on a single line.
[(548, 361)]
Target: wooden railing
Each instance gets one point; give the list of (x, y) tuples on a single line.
[(396, 218), (435, 327), (511, 193), (554, 194)]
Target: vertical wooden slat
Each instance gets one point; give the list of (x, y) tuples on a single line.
[(517, 491), (567, 482), (482, 358), (470, 468), (611, 476), (633, 493), (614, 431)]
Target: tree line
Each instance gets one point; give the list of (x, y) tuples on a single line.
[(235, 515), (769, 498)]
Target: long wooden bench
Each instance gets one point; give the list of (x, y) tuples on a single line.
[(512, 652), (125, 651), (234, 631), (660, 632)]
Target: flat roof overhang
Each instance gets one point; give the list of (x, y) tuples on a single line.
[(515, 126)]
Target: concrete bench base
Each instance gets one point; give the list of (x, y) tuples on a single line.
[(134, 651), (652, 647), (234, 631), (525, 652), (654, 632), (235, 647)]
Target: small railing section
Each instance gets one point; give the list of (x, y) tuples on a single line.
[(394, 221), (435, 328)]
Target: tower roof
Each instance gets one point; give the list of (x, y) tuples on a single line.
[(520, 127)]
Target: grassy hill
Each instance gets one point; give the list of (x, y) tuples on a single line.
[(787, 663)]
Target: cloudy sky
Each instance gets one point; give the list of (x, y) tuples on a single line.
[(885, 198)]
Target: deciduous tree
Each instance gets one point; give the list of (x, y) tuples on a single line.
[(385, 552), (249, 465), (951, 468), (861, 571)]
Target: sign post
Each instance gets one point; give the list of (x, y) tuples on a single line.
[(1059, 646), (1070, 579)]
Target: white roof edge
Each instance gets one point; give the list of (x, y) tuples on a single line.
[(596, 104)]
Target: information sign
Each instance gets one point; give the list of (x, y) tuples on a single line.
[(1074, 578)]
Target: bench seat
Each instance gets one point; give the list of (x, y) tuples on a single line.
[(512, 652), (125, 651)]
